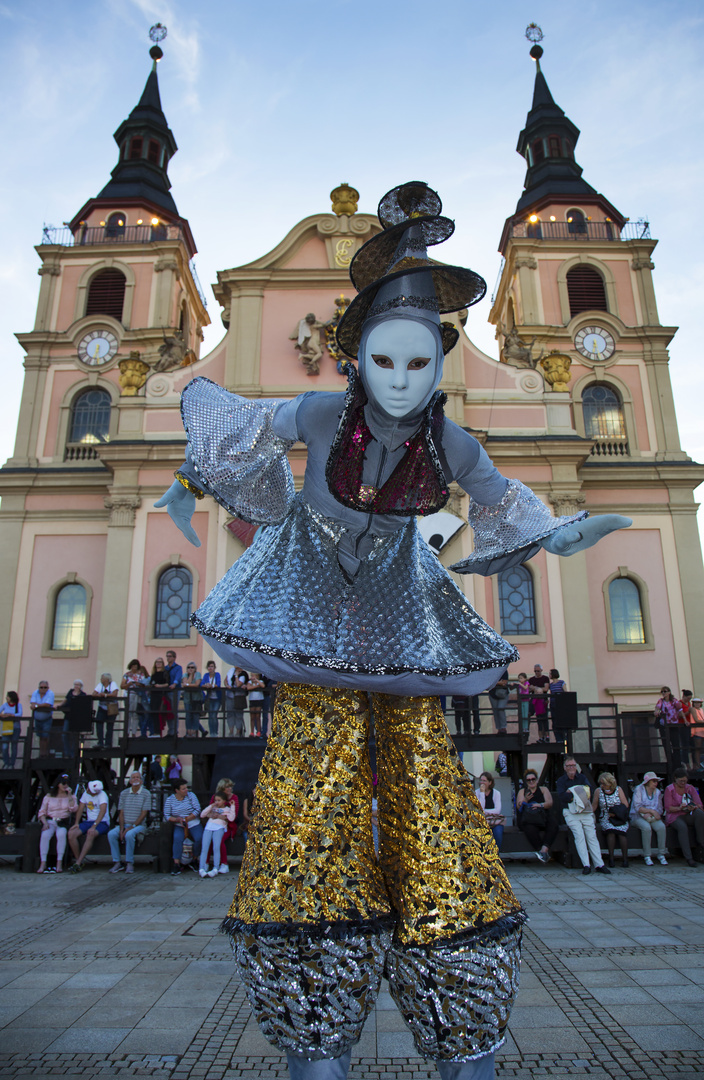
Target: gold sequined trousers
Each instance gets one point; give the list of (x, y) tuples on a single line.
[(316, 918)]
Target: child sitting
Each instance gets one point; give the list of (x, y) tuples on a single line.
[(218, 813)]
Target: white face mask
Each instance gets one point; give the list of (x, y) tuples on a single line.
[(392, 368)]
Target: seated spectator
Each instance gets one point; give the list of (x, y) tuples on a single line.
[(683, 810), (534, 807), (696, 731), (192, 699), (183, 810), (42, 705), (95, 802), (217, 815), (105, 694), (133, 807), (575, 792), (55, 816), (647, 815), (10, 712), (70, 707), (490, 802), (612, 805)]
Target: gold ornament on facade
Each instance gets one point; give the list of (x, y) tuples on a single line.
[(557, 371), (133, 375), (344, 200), (344, 250), (342, 302)]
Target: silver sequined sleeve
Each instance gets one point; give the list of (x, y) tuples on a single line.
[(510, 531), (235, 454)]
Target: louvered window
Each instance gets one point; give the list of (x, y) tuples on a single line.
[(538, 151), (153, 152), (585, 289), (106, 294), (554, 146), (136, 149)]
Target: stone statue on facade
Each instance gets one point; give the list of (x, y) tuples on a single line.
[(173, 353), (557, 371), (307, 337), (517, 352)]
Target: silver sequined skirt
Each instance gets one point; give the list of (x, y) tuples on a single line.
[(287, 610)]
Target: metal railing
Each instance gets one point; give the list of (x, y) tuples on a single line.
[(588, 230), (105, 234)]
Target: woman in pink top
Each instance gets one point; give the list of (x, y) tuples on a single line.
[(683, 807), (55, 816)]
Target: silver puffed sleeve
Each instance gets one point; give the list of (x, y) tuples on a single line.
[(510, 532), (234, 453)]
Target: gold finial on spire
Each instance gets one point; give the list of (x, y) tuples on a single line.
[(344, 200), (535, 34)]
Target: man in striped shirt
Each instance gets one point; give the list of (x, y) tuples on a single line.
[(135, 802), (183, 809)]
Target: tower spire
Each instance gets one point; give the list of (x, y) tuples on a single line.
[(146, 145)]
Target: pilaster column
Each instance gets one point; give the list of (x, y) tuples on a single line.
[(525, 267), (579, 635), (48, 272), (691, 574), (118, 555), (644, 267)]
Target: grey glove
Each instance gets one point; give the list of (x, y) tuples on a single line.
[(180, 504), (583, 535)]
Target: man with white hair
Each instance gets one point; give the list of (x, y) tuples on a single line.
[(133, 807), (575, 792), (95, 802)]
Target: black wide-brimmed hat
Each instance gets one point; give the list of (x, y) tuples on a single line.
[(385, 270)]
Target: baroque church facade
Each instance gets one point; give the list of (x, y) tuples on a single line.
[(578, 405)]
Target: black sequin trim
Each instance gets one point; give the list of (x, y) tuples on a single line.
[(338, 930)]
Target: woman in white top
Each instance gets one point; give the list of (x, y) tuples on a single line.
[(490, 802)]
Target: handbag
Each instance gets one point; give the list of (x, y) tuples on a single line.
[(537, 816), (113, 708), (618, 815)]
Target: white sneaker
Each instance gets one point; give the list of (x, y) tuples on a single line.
[(648, 861), (202, 873), (211, 873), (662, 860), (224, 868)]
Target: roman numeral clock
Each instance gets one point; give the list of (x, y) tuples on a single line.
[(595, 343)]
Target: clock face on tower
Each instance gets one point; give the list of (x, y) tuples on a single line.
[(595, 343), (97, 347)]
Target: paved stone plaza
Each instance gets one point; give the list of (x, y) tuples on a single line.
[(114, 976)]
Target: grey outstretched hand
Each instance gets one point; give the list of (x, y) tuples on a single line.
[(584, 534), (180, 504)]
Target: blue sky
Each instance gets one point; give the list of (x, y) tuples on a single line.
[(273, 104)]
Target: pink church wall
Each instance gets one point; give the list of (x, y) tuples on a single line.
[(52, 558), (310, 256), (280, 365)]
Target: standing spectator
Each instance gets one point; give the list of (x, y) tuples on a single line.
[(269, 692), (10, 712), (173, 769), (175, 674), (575, 792), (683, 811), (540, 685), (183, 810), (668, 712), (95, 802), (498, 698), (218, 814), (236, 701), (72, 707), (685, 725), (460, 704), (501, 763), (522, 687), (696, 731), (647, 815), (192, 699), (535, 817), (490, 802), (132, 682), (42, 705), (133, 807), (256, 696), (210, 686), (557, 687), (159, 697), (55, 816), (612, 805), (105, 694), (156, 770), (226, 789)]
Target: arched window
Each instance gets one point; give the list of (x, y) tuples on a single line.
[(516, 601), (136, 148), (554, 146), (585, 289), (627, 624), (575, 221), (116, 227), (173, 603), (603, 413), (154, 152), (106, 293), (70, 619), (538, 151), (90, 417)]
